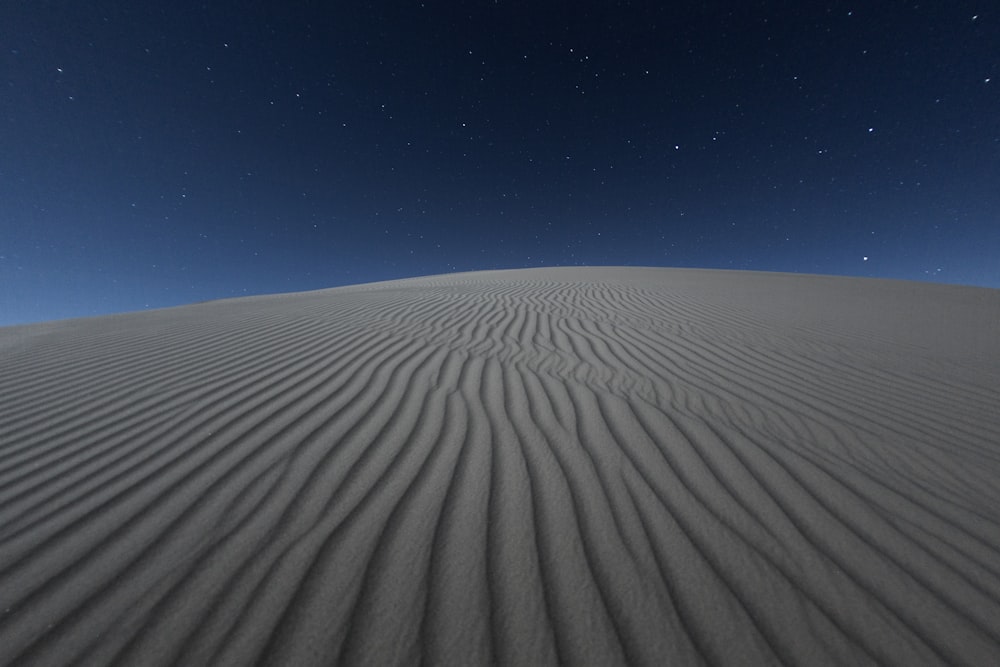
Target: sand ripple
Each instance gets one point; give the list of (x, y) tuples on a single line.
[(578, 466)]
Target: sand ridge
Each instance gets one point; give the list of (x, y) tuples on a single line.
[(581, 466)]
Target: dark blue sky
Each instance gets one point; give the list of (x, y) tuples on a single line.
[(155, 154)]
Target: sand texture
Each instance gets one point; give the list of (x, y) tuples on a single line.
[(586, 466)]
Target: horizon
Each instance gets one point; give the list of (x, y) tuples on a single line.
[(146, 307)]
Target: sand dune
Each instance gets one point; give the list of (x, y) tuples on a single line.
[(588, 466)]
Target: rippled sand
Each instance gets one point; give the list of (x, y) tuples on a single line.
[(588, 466)]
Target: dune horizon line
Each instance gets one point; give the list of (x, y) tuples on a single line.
[(936, 280), (582, 465)]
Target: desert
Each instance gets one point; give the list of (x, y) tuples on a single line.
[(580, 465)]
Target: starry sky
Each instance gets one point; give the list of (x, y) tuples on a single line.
[(155, 154)]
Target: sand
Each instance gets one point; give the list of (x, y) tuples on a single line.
[(587, 466)]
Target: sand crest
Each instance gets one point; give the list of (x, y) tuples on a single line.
[(587, 466)]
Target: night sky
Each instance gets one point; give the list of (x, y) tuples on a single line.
[(155, 154)]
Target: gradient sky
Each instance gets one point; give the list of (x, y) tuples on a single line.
[(155, 154)]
